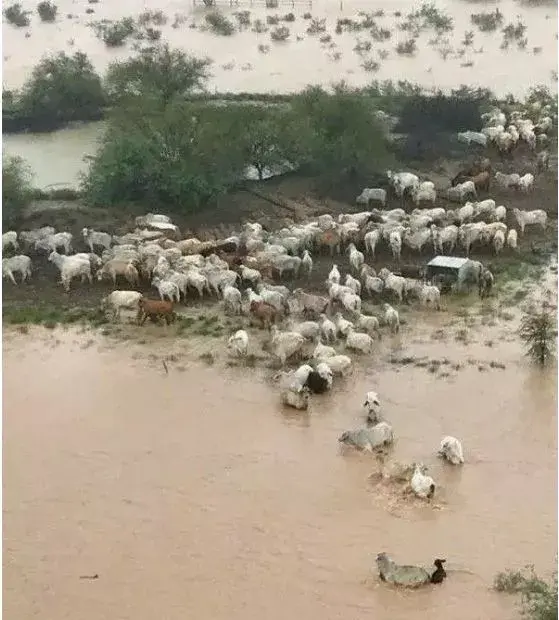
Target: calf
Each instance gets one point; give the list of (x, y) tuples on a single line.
[(155, 310), (265, 312)]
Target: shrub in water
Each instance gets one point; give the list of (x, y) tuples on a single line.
[(280, 34), (219, 24), (47, 11), (115, 34), (16, 16)]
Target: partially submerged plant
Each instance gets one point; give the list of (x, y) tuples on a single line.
[(219, 24), (538, 332), (16, 16)]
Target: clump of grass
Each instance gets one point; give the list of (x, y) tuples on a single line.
[(514, 33), (15, 15), (488, 22), (380, 34), (406, 48), (259, 26), (362, 47), (370, 66), (47, 11), (468, 38), (219, 24), (208, 358), (272, 20), (263, 49), (307, 16), (326, 38), (243, 18), (280, 34), (157, 18), (383, 54), (289, 17), (115, 34), (316, 26), (272, 4)]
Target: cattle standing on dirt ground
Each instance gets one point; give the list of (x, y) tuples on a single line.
[(155, 310)]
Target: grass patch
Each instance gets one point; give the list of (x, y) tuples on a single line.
[(51, 316), (208, 358)]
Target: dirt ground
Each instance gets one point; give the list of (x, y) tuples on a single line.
[(301, 202)]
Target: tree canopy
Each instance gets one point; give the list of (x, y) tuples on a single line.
[(62, 88), (16, 188), (156, 72)]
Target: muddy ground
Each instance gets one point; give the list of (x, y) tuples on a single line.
[(44, 296)]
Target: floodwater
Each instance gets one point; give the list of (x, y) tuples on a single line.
[(194, 493), (238, 65)]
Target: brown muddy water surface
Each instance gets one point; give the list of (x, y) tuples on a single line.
[(194, 493)]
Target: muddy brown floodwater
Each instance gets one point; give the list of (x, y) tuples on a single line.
[(194, 495)]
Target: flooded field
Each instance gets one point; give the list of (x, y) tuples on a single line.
[(194, 490), (445, 61)]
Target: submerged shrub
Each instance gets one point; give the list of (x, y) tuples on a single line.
[(488, 22), (280, 34), (219, 24), (47, 11), (538, 332), (115, 34), (16, 16), (407, 48)]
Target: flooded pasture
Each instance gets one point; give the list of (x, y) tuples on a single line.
[(194, 490), (251, 61)]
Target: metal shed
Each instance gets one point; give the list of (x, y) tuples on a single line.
[(445, 265)]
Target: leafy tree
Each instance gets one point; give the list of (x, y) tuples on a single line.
[(158, 72), (338, 133), (269, 138), (180, 155), (16, 188), (537, 330), (62, 88)]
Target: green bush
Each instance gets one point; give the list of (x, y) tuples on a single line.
[(539, 598), (219, 24), (280, 34), (115, 34), (487, 22), (338, 133), (538, 332), (62, 88), (16, 16), (16, 189), (158, 72), (181, 155), (47, 11), (438, 112)]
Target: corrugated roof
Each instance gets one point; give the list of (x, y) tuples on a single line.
[(452, 262)]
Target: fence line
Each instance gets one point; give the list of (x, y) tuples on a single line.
[(255, 3)]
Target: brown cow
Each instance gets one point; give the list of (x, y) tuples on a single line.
[(265, 312), (482, 180), (155, 310), (329, 239)]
